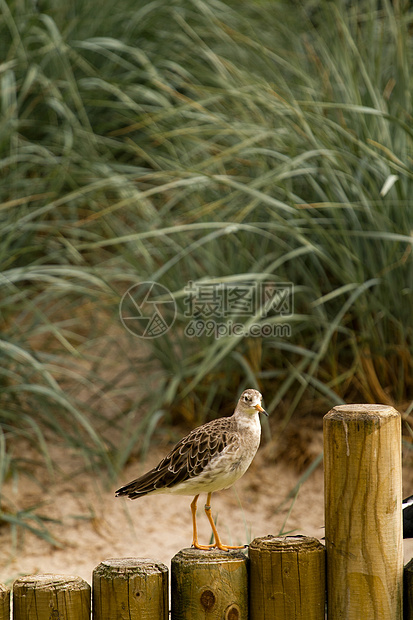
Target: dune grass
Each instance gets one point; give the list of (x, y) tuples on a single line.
[(203, 142), (301, 142)]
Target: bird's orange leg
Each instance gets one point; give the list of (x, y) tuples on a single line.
[(218, 543), (195, 542)]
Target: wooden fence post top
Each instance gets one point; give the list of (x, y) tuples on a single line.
[(191, 555), (4, 591), (49, 581), (297, 543), (209, 584), (363, 517), (130, 588), (360, 411), (47, 596), (287, 578), (4, 602), (124, 567)]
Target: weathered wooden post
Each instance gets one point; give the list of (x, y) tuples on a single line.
[(287, 578), (132, 588), (209, 585), (363, 522), (4, 602), (46, 597)]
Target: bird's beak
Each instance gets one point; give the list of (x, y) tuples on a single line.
[(259, 408)]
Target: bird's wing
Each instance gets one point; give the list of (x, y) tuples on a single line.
[(187, 459)]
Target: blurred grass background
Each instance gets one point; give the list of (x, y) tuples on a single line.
[(180, 141)]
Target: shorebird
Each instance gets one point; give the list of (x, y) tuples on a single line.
[(210, 458)]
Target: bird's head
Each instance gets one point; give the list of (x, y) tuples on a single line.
[(250, 402)]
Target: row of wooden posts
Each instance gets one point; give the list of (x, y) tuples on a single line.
[(356, 575)]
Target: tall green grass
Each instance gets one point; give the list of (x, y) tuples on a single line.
[(205, 142), (294, 128)]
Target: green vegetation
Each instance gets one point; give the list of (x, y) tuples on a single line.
[(181, 141)]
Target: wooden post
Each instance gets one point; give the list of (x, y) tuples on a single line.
[(363, 519), (4, 602), (287, 578), (209, 585), (132, 588), (51, 597)]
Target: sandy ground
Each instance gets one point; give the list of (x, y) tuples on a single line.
[(91, 525)]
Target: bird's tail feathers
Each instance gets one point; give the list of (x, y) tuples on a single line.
[(139, 487)]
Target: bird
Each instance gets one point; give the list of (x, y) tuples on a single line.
[(210, 458), (407, 508)]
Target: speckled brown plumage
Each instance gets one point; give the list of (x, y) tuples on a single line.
[(210, 458), (187, 459)]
